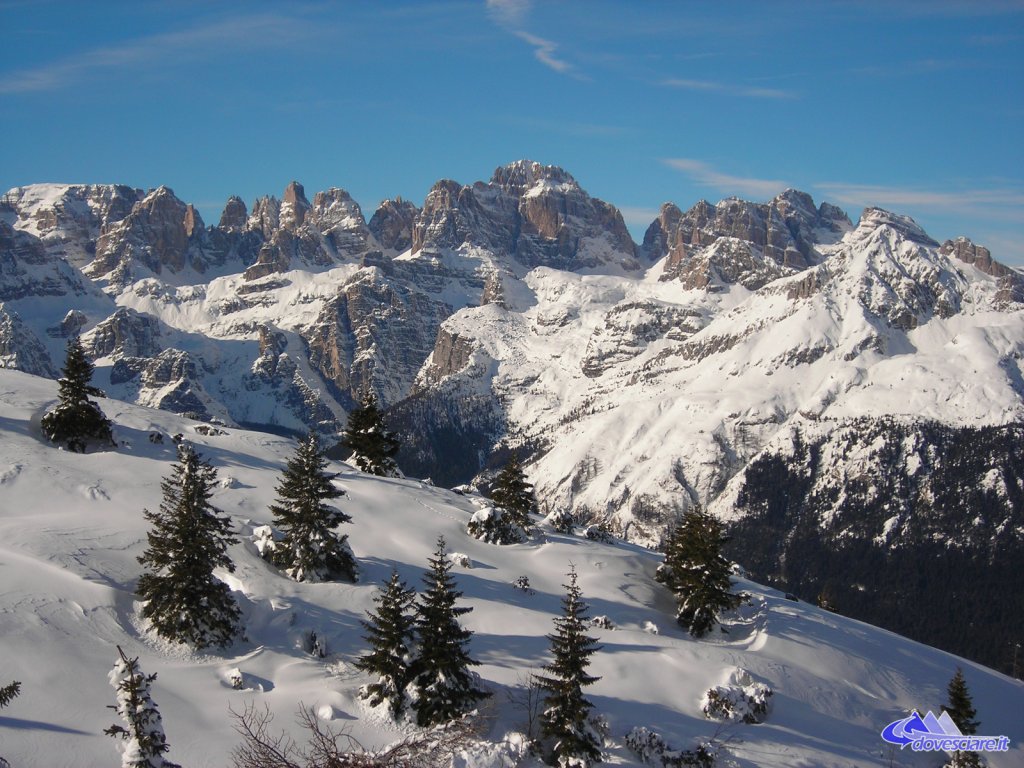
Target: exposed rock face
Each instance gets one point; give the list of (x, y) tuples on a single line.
[(294, 206), (26, 269), (392, 224), (374, 336), (537, 214), (630, 327), (339, 219), (451, 354), (126, 333), (21, 349), (171, 382), (784, 230), (266, 216), (1011, 283), (235, 216), (69, 218)]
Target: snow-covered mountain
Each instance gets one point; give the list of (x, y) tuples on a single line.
[(517, 314), (71, 527)]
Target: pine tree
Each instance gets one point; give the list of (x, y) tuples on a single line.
[(310, 550), (188, 540), (146, 742), (961, 709), (373, 447), (514, 494), (566, 709), (443, 687), (76, 419), (697, 573), (8, 693), (390, 634)]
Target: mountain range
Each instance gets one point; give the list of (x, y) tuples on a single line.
[(827, 387)]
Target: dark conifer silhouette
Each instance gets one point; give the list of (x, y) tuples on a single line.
[(565, 718), (390, 634), (444, 688), (310, 550), (961, 709), (76, 419), (189, 539), (373, 447), (697, 573), (513, 493), (8, 693)]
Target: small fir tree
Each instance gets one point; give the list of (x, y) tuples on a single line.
[(310, 550), (697, 573), (961, 709), (390, 634), (443, 686), (146, 743), (189, 539), (495, 526), (514, 494), (8, 693), (373, 447), (76, 419), (566, 709)]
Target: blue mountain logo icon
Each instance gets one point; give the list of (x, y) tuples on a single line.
[(931, 733)]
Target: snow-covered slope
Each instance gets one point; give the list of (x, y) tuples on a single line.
[(71, 527)]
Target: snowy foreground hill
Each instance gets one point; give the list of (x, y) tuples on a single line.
[(71, 527)]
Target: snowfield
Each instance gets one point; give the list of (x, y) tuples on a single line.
[(71, 527)]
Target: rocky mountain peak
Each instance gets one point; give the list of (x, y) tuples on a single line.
[(235, 214), (294, 206), (874, 219), (392, 224), (1011, 282), (521, 175)]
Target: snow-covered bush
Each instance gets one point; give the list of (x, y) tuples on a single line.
[(599, 532), (265, 539), (741, 700), (523, 583), (562, 521), (460, 559), (495, 526), (602, 622), (652, 749)]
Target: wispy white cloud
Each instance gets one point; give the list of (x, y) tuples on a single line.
[(511, 15), (998, 203), (708, 176), (544, 51), (157, 50), (712, 86)]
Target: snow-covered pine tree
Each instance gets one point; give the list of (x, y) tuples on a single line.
[(566, 710), (514, 494), (443, 687), (961, 709), (146, 743), (390, 635), (76, 419), (697, 572), (188, 540), (495, 525), (373, 447), (310, 550), (8, 693)]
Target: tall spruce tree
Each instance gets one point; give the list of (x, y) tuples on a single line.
[(390, 634), (188, 540), (513, 493), (444, 688), (566, 709), (373, 447), (697, 572), (146, 743), (961, 709), (76, 419), (310, 550)]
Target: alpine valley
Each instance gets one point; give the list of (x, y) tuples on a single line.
[(848, 396)]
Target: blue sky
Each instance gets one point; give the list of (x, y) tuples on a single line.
[(917, 106)]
